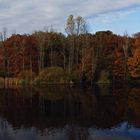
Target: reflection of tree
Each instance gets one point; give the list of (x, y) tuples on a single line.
[(77, 133), (134, 103), (28, 107), (54, 107), (3, 128), (104, 89)]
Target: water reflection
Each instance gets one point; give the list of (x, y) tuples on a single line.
[(59, 113)]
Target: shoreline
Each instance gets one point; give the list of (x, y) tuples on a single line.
[(22, 82)]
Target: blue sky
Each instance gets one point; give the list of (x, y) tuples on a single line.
[(26, 16), (129, 22)]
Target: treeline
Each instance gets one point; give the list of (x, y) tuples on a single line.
[(79, 56)]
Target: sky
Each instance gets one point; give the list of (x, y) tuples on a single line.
[(26, 16)]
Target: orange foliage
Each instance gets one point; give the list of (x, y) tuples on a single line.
[(134, 64)]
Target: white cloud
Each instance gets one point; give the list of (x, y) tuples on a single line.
[(112, 16), (28, 15)]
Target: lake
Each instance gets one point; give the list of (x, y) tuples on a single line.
[(70, 113)]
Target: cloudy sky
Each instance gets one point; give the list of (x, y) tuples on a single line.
[(25, 16)]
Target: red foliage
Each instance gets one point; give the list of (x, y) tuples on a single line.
[(21, 54)]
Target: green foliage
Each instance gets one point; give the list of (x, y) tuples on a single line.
[(51, 75), (73, 76), (2, 74), (104, 78), (26, 77), (1, 81), (104, 89)]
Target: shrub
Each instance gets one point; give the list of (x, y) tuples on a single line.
[(51, 75), (72, 77), (104, 78), (1, 81), (26, 76)]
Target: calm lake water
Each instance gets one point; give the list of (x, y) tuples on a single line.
[(59, 113)]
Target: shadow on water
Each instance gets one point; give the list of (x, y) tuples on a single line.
[(57, 112)]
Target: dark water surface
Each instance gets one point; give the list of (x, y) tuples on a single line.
[(58, 113)]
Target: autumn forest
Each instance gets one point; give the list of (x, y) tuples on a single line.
[(75, 56)]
